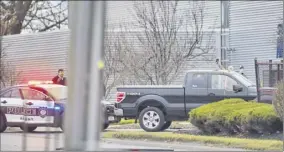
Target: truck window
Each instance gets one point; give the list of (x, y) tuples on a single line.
[(199, 81), (222, 82)]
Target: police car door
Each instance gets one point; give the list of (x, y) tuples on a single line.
[(34, 99), (12, 105)]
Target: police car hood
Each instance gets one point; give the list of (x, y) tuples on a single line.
[(64, 101)]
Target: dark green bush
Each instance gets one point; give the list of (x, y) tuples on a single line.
[(235, 116)]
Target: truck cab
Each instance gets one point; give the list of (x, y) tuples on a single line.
[(206, 86)]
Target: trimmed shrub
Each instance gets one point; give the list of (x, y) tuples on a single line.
[(278, 100), (235, 116)]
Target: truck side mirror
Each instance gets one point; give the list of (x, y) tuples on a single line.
[(237, 88)]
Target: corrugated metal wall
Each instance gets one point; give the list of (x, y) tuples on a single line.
[(253, 26), (39, 56), (123, 12), (203, 62)]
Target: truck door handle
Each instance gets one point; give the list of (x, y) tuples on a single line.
[(4, 102), (211, 94), (29, 103)]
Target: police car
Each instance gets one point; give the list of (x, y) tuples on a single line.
[(36, 104)]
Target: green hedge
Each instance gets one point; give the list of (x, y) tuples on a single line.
[(236, 116)]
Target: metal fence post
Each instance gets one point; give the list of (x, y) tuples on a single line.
[(76, 108), (270, 75), (83, 121), (96, 77), (257, 79)]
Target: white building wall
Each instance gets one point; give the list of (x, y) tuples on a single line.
[(39, 56), (123, 12), (253, 26)]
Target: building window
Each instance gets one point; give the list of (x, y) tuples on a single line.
[(279, 51), (225, 14)]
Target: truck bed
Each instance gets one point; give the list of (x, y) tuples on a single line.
[(171, 97), (161, 90)]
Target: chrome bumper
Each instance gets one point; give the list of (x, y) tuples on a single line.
[(118, 112)]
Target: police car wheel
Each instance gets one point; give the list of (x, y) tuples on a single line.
[(28, 129), (61, 122), (62, 127), (106, 125), (3, 124)]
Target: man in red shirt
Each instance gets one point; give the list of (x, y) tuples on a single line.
[(59, 79)]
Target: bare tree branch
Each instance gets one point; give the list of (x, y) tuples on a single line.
[(8, 74), (167, 40), (113, 71), (33, 16)]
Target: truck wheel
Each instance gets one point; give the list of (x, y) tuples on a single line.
[(151, 119), (3, 124), (166, 125), (28, 129)]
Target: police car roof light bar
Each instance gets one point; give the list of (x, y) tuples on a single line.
[(34, 82)]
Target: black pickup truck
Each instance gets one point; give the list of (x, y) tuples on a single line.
[(157, 106)]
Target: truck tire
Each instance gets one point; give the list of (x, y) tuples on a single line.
[(3, 122), (151, 119), (166, 125), (29, 129)]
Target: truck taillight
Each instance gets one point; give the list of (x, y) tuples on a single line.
[(120, 96)]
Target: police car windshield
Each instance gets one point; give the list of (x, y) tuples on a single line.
[(59, 93)]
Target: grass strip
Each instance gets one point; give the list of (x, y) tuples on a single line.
[(243, 143), (125, 122)]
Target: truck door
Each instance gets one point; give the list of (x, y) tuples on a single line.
[(12, 105), (35, 100), (221, 87), (196, 90)]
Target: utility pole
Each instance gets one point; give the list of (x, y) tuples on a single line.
[(96, 91), (82, 118)]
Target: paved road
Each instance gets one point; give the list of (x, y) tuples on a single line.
[(11, 140)]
